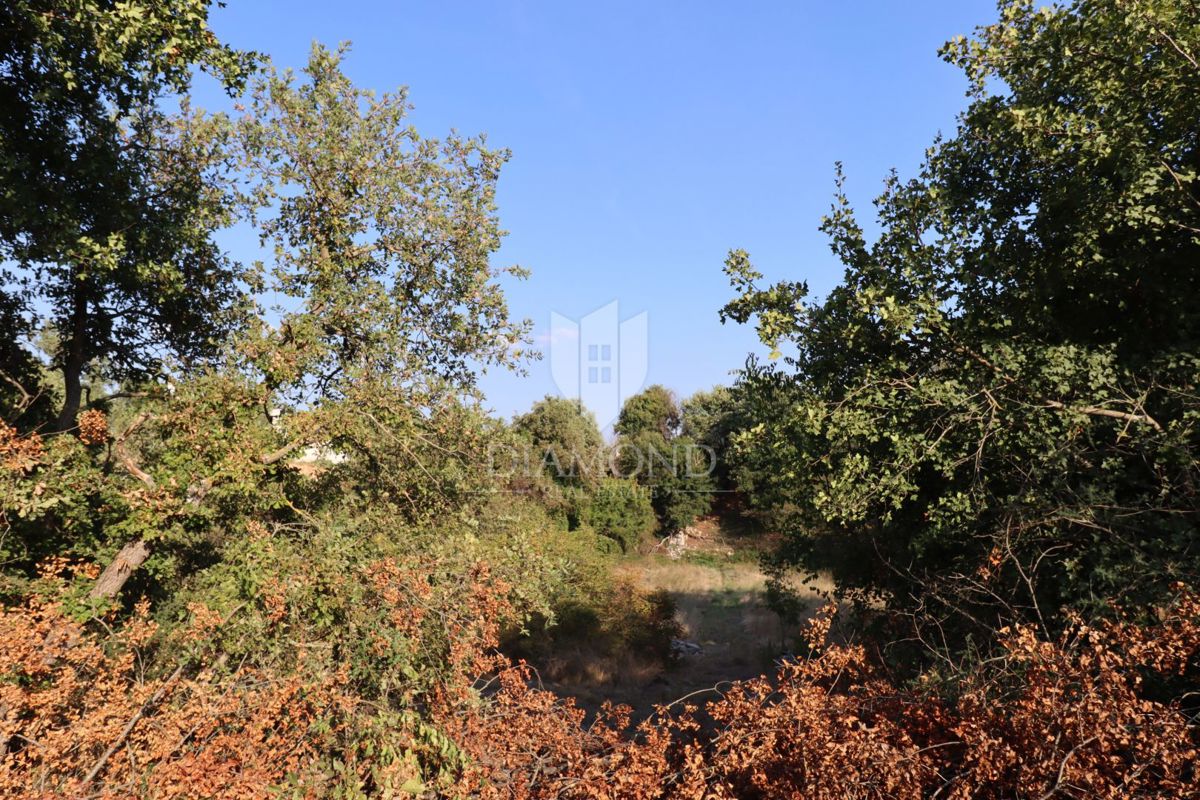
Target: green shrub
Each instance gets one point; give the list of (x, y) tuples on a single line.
[(621, 510)]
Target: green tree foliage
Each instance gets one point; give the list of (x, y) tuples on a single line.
[(560, 457), (381, 241), (565, 441), (620, 510), (994, 415), (381, 237), (675, 469), (712, 419), (685, 493), (108, 203), (652, 409)]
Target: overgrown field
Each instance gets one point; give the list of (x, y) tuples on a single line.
[(259, 536)]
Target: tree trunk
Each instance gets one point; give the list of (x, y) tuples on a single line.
[(73, 361), (132, 556), (72, 372)]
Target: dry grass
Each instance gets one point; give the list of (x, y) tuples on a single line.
[(720, 604)]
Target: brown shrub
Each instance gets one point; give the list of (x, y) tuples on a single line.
[(82, 716), (1066, 718), (19, 453), (93, 427)]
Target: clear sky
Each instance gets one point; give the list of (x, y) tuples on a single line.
[(649, 138)]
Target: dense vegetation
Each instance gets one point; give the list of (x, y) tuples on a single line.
[(257, 535), (994, 416)]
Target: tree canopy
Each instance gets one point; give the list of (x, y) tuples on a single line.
[(675, 469), (652, 409), (994, 415), (566, 440), (109, 203)]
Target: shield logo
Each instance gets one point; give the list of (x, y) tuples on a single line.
[(599, 359)]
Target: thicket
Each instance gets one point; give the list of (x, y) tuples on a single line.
[(993, 417)]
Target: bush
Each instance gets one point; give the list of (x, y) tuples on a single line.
[(148, 711), (621, 511)]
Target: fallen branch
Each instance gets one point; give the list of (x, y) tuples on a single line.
[(131, 556), (129, 726)]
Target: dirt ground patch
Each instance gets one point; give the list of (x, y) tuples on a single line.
[(729, 631)]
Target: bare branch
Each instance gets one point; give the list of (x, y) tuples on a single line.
[(26, 397), (1063, 766), (131, 556), (129, 726), (126, 459), (1096, 411)]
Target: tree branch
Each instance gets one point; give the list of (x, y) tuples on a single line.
[(123, 456), (281, 453), (1096, 411), (26, 397), (1063, 766), (131, 556), (1091, 411)]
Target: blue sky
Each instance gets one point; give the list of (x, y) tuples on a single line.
[(650, 138)]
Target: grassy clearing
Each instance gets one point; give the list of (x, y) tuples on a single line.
[(718, 594)]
